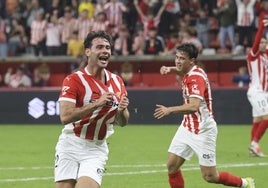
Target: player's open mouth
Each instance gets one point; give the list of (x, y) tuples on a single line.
[(104, 58)]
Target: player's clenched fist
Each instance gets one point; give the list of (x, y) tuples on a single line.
[(164, 70), (123, 104)]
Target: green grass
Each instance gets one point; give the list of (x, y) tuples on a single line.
[(137, 157)]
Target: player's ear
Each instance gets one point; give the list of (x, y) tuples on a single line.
[(87, 52)]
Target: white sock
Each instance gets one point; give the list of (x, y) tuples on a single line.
[(253, 143), (244, 183)]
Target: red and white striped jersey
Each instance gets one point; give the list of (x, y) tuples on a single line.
[(196, 84), (84, 27), (258, 70), (38, 31), (82, 88), (258, 64), (114, 11), (100, 26), (69, 25)]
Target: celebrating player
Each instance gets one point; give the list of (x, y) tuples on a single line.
[(91, 101), (257, 94), (198, 130)]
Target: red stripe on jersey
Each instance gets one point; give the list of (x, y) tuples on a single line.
[(258, 70), (103, 128)]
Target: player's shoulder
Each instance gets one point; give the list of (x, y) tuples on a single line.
[(74, 76)]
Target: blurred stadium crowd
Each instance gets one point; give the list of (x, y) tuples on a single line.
[(58, 27), (33, 28)]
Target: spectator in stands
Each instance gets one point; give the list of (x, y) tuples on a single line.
[(127, 73), (242, 78), (189, 35), (225, 12), (37, 80), (101, 22), (86, 5), (38, 35), (114, 10), (261, 10), (84, 25), (33, 8), (54, 6), (69, 25), (149, 20), (169, 19), (44, 71), (138, 41), (75, 45), (123, 43), (17, 39), (262, 13), (18, 79), (1, 80), (154, 45), (171, 44), (202, 27), (99, 7), (207, 6), (3, 39), (53, 34), (80, 63), (245, 24)]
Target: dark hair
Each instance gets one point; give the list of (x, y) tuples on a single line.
[(97, 34), (188, 48)]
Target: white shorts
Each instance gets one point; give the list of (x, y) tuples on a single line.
[(76, 157), (186, 143), (258, 101)]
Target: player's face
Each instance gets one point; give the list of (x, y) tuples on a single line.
[(263, 45), (183, 62), (99, 53)]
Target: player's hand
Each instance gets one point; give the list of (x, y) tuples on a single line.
[(265, 22), (164, 70), (161, 111), (123, 104), (105, 98)]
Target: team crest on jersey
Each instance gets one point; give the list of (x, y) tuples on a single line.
[(64, 89), (195, 89), (118, 94)]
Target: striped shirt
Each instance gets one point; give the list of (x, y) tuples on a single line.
[(258, 70), (114, 11), (82, 88), (258, 64), (3, 37), (38, 31), (196, 84), (84, 27), (100, 26), (69, 25)]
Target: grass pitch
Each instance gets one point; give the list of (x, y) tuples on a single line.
[(137, 156)]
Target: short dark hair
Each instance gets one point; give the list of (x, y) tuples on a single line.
[(97, 34), (189, 48)]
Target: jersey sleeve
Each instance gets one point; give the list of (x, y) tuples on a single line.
[(196, 86), (69, 89)]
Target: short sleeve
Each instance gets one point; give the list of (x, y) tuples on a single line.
[(69, 89), (196, 86)]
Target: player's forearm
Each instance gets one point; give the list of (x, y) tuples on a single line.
[(122, 117), (183, 109), (73, 114), (258, 37)]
